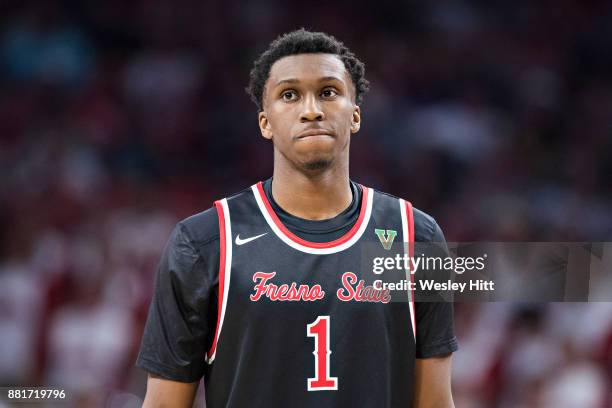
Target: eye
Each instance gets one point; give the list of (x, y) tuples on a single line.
[(329, 93), (289, 95)]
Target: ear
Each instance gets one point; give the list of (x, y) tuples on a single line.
[(264, 126), (356, 120)]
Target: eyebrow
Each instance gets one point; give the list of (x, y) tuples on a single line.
[(295, 80)]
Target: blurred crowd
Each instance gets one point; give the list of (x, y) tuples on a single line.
[(117, 119)]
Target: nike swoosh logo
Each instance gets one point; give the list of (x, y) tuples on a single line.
[(246, 240)]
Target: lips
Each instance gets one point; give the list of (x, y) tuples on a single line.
[(315, 132)]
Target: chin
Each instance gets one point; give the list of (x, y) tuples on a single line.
[(314, 161), (316, 165)]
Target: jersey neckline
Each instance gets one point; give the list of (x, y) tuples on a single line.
[(318, 230), (337, 245)]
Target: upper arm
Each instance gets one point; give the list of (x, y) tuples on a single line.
[(433, 383), (435, 337), (435, 334), (182, 316), (166, 393)]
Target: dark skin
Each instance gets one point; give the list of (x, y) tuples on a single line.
[(312, 92), (311, 173)]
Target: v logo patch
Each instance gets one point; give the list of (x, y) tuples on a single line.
[(386, 239)]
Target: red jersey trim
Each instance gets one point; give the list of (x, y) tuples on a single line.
[(339, 241), (222, 261), (410, 222)]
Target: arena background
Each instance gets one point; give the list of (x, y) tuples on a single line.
[(117, 119)]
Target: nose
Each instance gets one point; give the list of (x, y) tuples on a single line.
[(311, 110)]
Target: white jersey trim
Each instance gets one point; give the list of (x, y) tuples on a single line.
[(404, 208), (226, 275), (316, 251)]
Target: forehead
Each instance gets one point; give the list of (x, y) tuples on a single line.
[(304, 67)]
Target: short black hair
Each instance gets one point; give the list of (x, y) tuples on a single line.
[(304, 42)]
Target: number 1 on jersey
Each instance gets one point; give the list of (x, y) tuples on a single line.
[(319, 329)]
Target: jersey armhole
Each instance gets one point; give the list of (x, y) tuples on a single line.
[(407, 215), (225, 263)]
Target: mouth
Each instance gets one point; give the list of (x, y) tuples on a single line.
[(315, 133)]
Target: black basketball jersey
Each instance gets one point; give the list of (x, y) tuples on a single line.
[(301, 323)]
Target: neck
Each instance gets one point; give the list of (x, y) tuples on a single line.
[(317, 196)]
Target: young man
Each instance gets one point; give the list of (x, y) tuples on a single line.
[(263, 294)]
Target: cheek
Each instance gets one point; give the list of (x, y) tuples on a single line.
[(281, 120), (345, 117)]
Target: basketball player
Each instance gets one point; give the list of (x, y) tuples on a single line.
[(263, 294)]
